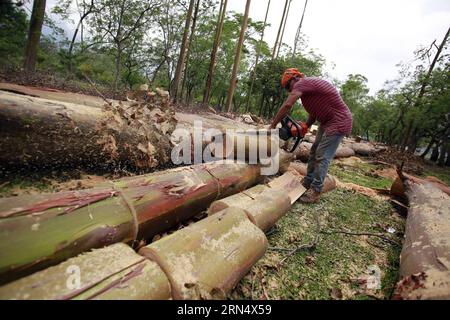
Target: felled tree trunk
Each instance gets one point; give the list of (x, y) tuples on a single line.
[(398, 187), (425, 258), (41, 133), (265, 204), (207, 259), (112, 273), (330, 181), (303, 151), (40, 231)]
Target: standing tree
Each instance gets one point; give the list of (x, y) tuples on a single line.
[(34, 35), (237, 58), (212, 64), (298, 34), (258, 54), (422, 90), (279, 30), (119, 23), (284, 28), (182, 57), (188, 55)]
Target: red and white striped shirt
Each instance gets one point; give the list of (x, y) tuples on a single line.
[(324, 104)]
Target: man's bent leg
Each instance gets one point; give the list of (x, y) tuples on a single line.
[(324, 154), (312, 160)]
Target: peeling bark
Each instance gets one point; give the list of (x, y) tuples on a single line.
[(207, 259), (112, 273), (40, 231), (425, 258)]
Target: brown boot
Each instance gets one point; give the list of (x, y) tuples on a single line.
[(310, 196), (306, 185)]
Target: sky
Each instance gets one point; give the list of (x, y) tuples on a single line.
[(369, 37)]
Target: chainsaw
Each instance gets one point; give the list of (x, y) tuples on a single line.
[(291, 129)]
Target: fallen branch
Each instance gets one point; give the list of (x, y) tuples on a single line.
[(307, 246)]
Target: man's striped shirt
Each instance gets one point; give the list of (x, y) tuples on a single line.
[(324, 104)]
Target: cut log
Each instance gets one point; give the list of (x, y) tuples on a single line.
[(264, 204), (303, 151), (112, 273), (425, 257), (207, 259), (40, 231), (398, 188), (344, 152), (43, 133), (301, 168)]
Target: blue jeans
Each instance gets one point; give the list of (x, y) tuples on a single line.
[(322, 152)]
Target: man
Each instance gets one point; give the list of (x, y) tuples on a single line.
[(324, 104)]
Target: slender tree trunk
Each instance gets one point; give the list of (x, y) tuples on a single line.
[(237, 59), (427, 150), (444, 150), (284, 28), (212, 64), (34, 35), (189, 49), (258, 54), (298, 34), (424, 86), (435, 154), (279, 30), (182, 56), (74, 37)]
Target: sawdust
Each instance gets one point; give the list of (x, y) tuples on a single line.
[(153, 119)]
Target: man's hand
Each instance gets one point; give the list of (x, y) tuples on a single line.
[(304, 127)]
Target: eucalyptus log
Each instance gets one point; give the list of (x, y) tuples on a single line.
[(303, 151), (398, 188), (41, 133), (264, 204), (425, 257), (301, 168), (43, 230), (112, 273), (207, 259)]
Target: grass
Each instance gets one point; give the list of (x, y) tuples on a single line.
[(362, 174), (442, 173), (335, 268), (338, 265)]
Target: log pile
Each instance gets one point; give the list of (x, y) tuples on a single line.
[(202, 261), (42, 230), (425, 257), (346, 149)]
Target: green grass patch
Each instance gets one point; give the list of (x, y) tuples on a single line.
[(442, 173), (338, 264), (362, 174)]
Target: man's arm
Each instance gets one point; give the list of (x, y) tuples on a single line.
[(285, 108)]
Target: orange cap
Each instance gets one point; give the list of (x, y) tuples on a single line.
[(288, 75)]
